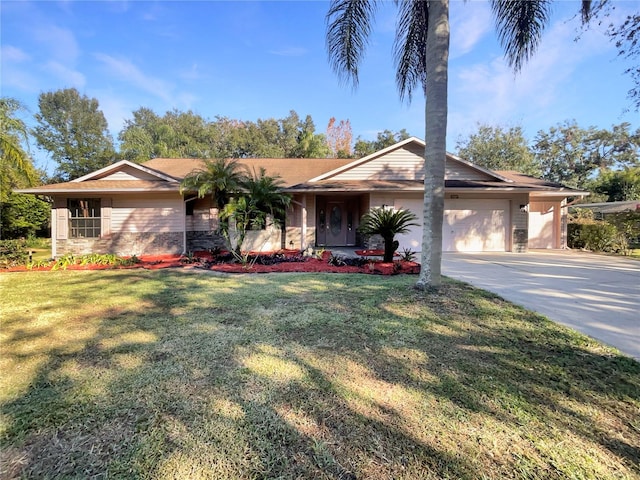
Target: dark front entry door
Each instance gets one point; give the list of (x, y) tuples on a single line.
[(335, 222)]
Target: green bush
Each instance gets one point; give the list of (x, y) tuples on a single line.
[(24, 216), (628, 224), (594, 236), (12, 253)]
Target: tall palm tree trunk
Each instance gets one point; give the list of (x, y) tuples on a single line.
[(437, 60)]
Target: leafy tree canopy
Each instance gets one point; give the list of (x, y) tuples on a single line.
[(384, 139), (499, 148), (188, 135), (616, 185), (571, 155), (73, 129), (24, 216)]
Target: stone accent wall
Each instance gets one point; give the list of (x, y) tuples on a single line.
[(373, 242), (151, 243), (204, 240), (520, 240)]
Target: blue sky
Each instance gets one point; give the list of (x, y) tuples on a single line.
[(248, 60)]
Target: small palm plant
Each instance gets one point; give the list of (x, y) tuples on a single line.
[(387, 223)]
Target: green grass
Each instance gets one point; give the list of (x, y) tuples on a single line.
[(177, 374), (39, 247)]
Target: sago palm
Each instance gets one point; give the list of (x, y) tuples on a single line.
[(387, 223), (422, 57)]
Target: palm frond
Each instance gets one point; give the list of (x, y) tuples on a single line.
[(220, 178), (348, 29), (589, 9), (520, 24), (387, 222), (265, 193), (410, 46)]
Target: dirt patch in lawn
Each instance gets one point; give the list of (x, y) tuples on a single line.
[(281, 261)]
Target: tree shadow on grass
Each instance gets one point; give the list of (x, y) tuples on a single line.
[(301, 376)]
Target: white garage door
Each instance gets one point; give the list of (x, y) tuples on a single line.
[(475, 225), (468, 225)]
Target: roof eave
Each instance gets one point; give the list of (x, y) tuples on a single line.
[(50, 191)]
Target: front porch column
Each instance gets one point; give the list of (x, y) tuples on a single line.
[(184, 226), (303, 238)]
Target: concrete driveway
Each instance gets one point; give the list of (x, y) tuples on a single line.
[(595, 294)]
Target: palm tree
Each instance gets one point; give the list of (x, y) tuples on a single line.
[(265, 193), (261, 196), (15, 165), (422, 58), (219, 178), (387, 223), (243, 200)]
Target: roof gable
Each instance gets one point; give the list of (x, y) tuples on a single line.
[(125, 170), (405, 161)]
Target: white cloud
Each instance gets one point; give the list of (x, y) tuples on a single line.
[(118, 6), (60, 43), (126, 71), (192, 74), (188, 100), (490, 92), (290, 52), (9, 53), (470, 22), (19, 79), (14, 70), (115, 110), (68, 76)]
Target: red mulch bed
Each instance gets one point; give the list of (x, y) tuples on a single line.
[(207, 261)]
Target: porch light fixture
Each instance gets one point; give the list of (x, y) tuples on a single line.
[(524, 208)]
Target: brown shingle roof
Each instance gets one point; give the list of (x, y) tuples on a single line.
[(412, 185), (521, 178), (295, 173), (291, 170)]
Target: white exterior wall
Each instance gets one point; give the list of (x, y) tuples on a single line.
[(407, 164), (545, 225), (129, 173), (147, 214), (401, 164), (204, 218)]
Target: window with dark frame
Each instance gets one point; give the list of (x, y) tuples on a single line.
[(190, 203), (84, 217)]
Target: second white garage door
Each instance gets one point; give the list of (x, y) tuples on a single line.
[(468, 225)]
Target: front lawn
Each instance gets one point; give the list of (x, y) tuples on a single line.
[(188, 374)]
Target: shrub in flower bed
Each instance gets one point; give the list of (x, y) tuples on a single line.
[(282, 261)]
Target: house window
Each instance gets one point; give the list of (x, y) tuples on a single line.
[(189, 204), (84, 217)]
